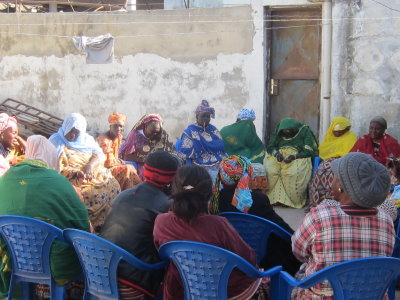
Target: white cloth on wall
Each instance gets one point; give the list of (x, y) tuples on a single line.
[(99, 49)]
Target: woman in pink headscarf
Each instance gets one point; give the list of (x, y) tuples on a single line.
[(8, 135), (145, 137)]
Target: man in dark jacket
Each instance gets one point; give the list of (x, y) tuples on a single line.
[(131, 220)]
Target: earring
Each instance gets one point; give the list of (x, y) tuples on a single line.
[(340, 190)]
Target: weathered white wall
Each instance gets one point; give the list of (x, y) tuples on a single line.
[(165, 62), (366, 63)]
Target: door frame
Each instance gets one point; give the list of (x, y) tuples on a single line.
[(325, 59)]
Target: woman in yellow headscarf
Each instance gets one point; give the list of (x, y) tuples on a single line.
[(337, 142)]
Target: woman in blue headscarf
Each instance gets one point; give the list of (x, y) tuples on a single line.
[(201, 143), (82, 162)]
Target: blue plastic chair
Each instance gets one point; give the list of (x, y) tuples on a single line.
[(205, 269), (99, 259), (396, 254), (255, 231), (28, 243), (316, 162), (363, 279)]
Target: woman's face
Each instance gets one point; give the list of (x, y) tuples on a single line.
[(8, 137), (376, 130), (203, 119), (72, 135), (288, 133), (338, 133), (116, 129), (152, 130)]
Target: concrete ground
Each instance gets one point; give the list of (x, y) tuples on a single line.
[(292, 216)]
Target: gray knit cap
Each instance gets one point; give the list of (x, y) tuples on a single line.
[(366, 181)]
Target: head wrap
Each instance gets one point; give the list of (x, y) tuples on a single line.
[(117, 118), (333, 146), (38, 147), (380, 120), (366, 181), (160, 168), (246, 114), (84, 142), (6, 122), (205, 107), (234, 169), (147, 119)]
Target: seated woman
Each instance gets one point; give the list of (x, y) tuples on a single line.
[(34, 189), (377, 143), (146, 136), (354, 229), (8, 135), (337, 142), (288, 164), (189, 220), (81, 161), (201, 143), (240, 138), (235, 174), (110, 142)]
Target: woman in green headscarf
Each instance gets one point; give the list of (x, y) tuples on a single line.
[(288, 164)]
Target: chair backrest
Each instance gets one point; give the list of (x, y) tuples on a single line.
[(205, 269), (363, 279), (255, 231), (99, 259), (29, 243)]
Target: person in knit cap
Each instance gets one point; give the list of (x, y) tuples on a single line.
[(331, 234), (131, 220), (110, 142)]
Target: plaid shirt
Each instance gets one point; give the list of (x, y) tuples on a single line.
[(334, 234)]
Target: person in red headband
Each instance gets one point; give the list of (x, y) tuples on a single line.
[(131, 221)]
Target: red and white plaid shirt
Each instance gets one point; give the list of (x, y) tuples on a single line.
[(334, 234)]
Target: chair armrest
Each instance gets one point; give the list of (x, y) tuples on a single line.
[(137, 263)]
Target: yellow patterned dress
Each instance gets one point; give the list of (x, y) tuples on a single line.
[(99, 192)]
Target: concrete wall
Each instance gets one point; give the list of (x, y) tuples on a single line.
[(366, 63), (165, 62)]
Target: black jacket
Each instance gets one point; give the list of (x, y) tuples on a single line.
[(279, 252), (130, 226)]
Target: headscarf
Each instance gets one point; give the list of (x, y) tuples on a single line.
[(333, 146), (234, 169), (303, 141), (117, 118), (205, 107), (380, 120), (246, 114), (38, 147), (6, 122), (147, 119), (84, 142)]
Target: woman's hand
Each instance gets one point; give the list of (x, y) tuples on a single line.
[(88, 171), (279, 157), (290, 158)]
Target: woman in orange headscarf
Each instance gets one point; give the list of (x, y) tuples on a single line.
[(110, 142)]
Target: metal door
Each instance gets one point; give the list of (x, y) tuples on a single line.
[(294, 60)]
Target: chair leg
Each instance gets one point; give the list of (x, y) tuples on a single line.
[(26, 290), (57, 292)]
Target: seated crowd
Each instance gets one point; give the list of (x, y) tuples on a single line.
[(142, 192)]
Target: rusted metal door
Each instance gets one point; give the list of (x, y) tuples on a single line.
[(294, 60)]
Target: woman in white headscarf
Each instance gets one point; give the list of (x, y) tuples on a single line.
[(82, 162)]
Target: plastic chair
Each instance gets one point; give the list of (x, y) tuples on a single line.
[(396, 254), (363, 279), (255, 231), (316, 162), (99, 259), (205, 269), (28, 242)]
